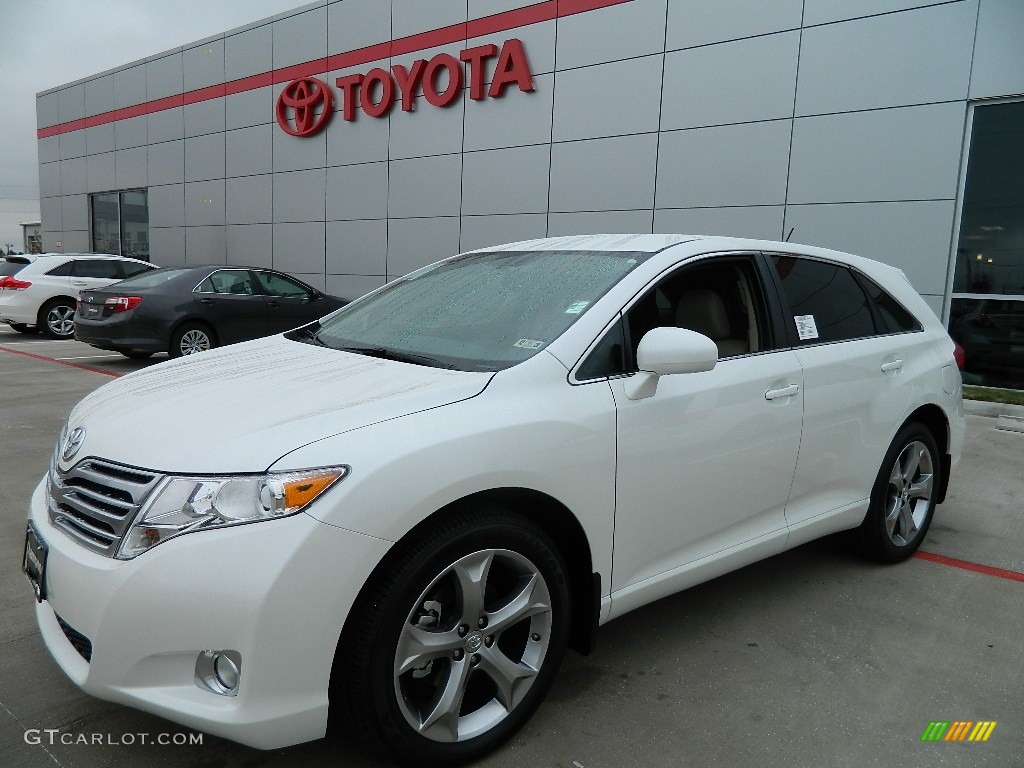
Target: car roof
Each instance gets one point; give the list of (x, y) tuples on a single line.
[(82, 257), (197, 268), (611, 242), (700, 244)]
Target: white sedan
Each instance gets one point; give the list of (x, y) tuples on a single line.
[(402, 515)]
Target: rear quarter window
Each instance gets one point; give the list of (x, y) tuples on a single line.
[(892, 314), (132, 268), (64, 270)]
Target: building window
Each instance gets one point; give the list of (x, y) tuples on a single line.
[(120, 223), (987, 313)]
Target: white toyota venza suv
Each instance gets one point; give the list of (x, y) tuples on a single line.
[(39, 292), (406, 512)]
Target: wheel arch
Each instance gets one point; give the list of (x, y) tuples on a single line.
[(935, 421), (40, 319), (558, 522), (193, 320), (548, 514)]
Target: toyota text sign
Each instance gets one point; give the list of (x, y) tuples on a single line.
[(305, 105)]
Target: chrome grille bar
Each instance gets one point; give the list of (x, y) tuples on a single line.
[(96, 500)]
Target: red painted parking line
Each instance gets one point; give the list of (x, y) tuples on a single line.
[(988, 570), (60, 362)]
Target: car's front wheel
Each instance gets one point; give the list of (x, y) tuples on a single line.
[(903, 498), (57, 319), (450, 651), (191, 339)]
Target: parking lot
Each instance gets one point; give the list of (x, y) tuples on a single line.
[(811, 658)]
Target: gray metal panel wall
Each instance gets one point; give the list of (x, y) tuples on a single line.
[(841, 121)]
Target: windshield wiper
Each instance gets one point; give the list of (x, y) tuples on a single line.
[(307, 335), (393, 354)]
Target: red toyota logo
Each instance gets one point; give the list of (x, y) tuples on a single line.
[(301, 98)]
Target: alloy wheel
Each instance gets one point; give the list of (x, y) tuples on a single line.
[(60, 320), (472, 646), (909, 494), (194, 341)]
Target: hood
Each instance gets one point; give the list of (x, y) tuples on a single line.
[(242, 407)]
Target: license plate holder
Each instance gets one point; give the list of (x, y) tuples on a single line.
[(33, 562)]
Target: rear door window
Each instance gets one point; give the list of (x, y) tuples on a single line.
[(827, 301), (103, 269), (275, 284), (64, 270), (232, 281)]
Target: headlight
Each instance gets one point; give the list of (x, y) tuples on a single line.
[(60, 443), (183, 504)]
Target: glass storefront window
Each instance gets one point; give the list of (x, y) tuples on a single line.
[(987, 313), (991, 331), (120, 223)]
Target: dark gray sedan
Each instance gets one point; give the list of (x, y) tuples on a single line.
[(191, 309)]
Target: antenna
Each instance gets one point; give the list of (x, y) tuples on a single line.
[(790, 234)]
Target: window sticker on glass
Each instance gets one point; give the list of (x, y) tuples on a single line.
[(576, 307), (529, 344), (806, 328)]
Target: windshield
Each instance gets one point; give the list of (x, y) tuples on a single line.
[(478, 312)]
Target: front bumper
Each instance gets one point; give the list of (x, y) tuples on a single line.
[(277, 592)]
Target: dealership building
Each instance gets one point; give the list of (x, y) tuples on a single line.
[(350, 142)]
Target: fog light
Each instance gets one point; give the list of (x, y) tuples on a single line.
[(219, 671), (226, 672)]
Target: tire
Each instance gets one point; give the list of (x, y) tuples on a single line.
[(57, 319), (190, 339), (135, 354), (24, 328), (903, 497), (453, 646)]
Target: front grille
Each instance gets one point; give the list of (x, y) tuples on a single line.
[(81, 643), (95, 501)]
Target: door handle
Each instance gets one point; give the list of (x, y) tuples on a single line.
[(206, 301), (775, 394), (892, 365), (79, 283)]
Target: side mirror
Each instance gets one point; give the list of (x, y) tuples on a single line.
[(667, 351), (676, 350)]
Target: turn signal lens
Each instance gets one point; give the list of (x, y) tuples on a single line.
[(287, 492)]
